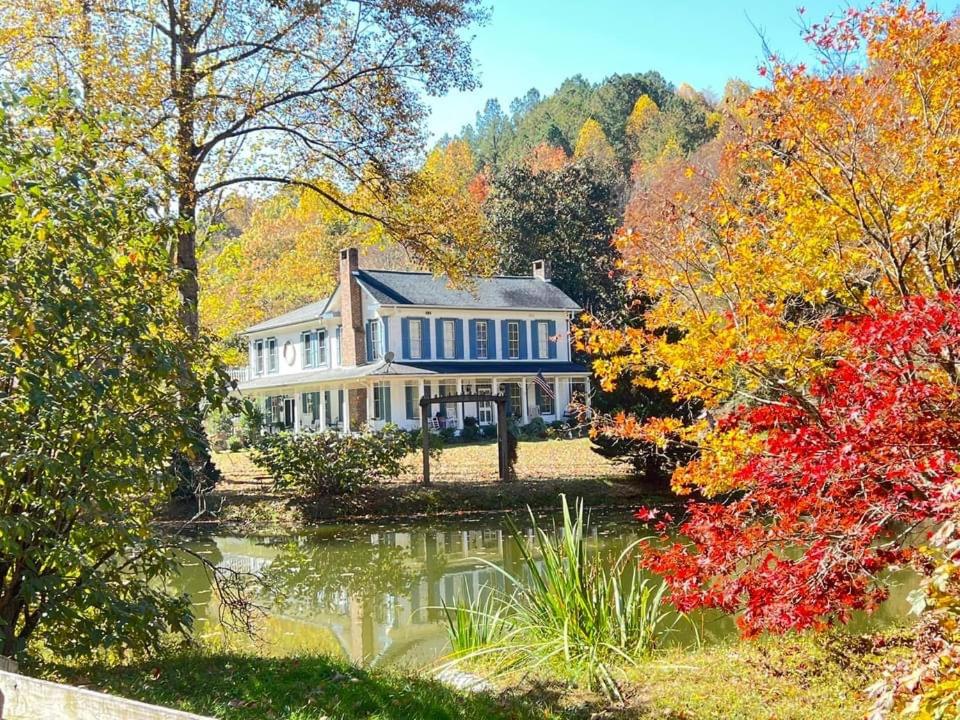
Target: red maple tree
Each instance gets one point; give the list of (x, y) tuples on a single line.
[(844, 479)]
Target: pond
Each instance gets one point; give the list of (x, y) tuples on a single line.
[(374, 593)]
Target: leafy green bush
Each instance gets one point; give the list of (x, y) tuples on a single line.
[(328, 463), (536, 429), (470, 433), (489, 431), (415, 438), (251, 424), (448, 434), (98, 389), (470, 421), (235, 444)]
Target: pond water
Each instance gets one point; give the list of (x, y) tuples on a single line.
[(373, 593)]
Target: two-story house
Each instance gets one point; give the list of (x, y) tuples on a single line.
[(369, 352)]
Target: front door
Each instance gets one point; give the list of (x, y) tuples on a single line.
[(289, 410)]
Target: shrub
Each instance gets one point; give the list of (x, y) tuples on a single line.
[(470, 433), (327, 463), (489, 431), (536, 429), (251, 424), (448, 434), (415, 440), (470, 421), (235, 444)]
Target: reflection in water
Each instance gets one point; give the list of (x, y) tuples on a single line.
[(373, 593)]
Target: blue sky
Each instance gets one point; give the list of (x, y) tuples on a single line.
[(539, 43)]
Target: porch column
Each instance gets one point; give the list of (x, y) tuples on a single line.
[(297, 399), (370, 402), (345, 412), (324, 399), (557, 412), (460, 405), (524, 402)]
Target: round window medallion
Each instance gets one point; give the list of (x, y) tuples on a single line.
[(289, 353)]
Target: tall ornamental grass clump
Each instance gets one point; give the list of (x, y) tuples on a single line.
[(569, 609)]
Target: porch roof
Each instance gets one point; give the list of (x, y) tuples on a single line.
[(381, 369)]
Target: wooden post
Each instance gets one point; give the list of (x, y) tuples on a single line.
[(502, 444), (425, 434)]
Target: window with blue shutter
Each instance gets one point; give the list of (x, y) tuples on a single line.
[(491, 339), (273, 359), (440, 338), (425, 333), (482, 346), (552, 338), (511, 339), (523, 339), (374, 340)]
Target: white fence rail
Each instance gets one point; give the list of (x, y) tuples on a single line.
[(25, 698)]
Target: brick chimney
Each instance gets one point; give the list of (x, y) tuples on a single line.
[(353, 337), (541, 270)]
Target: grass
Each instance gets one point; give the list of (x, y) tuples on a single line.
[(232, 686), (796, 677), (570, 610)]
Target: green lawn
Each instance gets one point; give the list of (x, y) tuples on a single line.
[(784, 678)]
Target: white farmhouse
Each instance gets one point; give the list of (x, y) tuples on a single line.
[(384, 339)]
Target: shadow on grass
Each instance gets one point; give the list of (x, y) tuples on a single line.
[(232, 686)]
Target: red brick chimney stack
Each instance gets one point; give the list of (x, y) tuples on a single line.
[(353, 337)]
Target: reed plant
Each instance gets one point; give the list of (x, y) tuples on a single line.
[(568, 608)]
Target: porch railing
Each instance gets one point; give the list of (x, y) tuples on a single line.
[(239, 374)]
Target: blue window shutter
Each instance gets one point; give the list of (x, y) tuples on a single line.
[(369, 342), (387, 391), (384, 334), (552, 342), (458, 339), (505, 338), (405, 338), (534, 345), (491, 339), (439, 324), (408, 392), (425, 338), (303, 402), (523, 339), (472, 330)]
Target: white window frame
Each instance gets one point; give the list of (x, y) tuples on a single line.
[(482, 345), (379, 390), (415, 341), (543, 341), (376, 339), (513, 340), (320, 356), (259, 358), (306, 342), (449, 339), (273, 356)]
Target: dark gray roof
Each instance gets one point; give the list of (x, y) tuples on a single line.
[(301, 314), (390, 287)]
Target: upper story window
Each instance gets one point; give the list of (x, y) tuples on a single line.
[(482, 340), (375, 351), (321, 354), (449, 339), (273, 360), (416, 339), (258, 360), (306, 343), (543, 340), (513, 339)]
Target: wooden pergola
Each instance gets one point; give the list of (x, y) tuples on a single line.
[(502, 448)]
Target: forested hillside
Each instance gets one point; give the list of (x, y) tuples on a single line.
[(550, 178)]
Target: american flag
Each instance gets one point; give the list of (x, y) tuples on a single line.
[(542, 383)]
